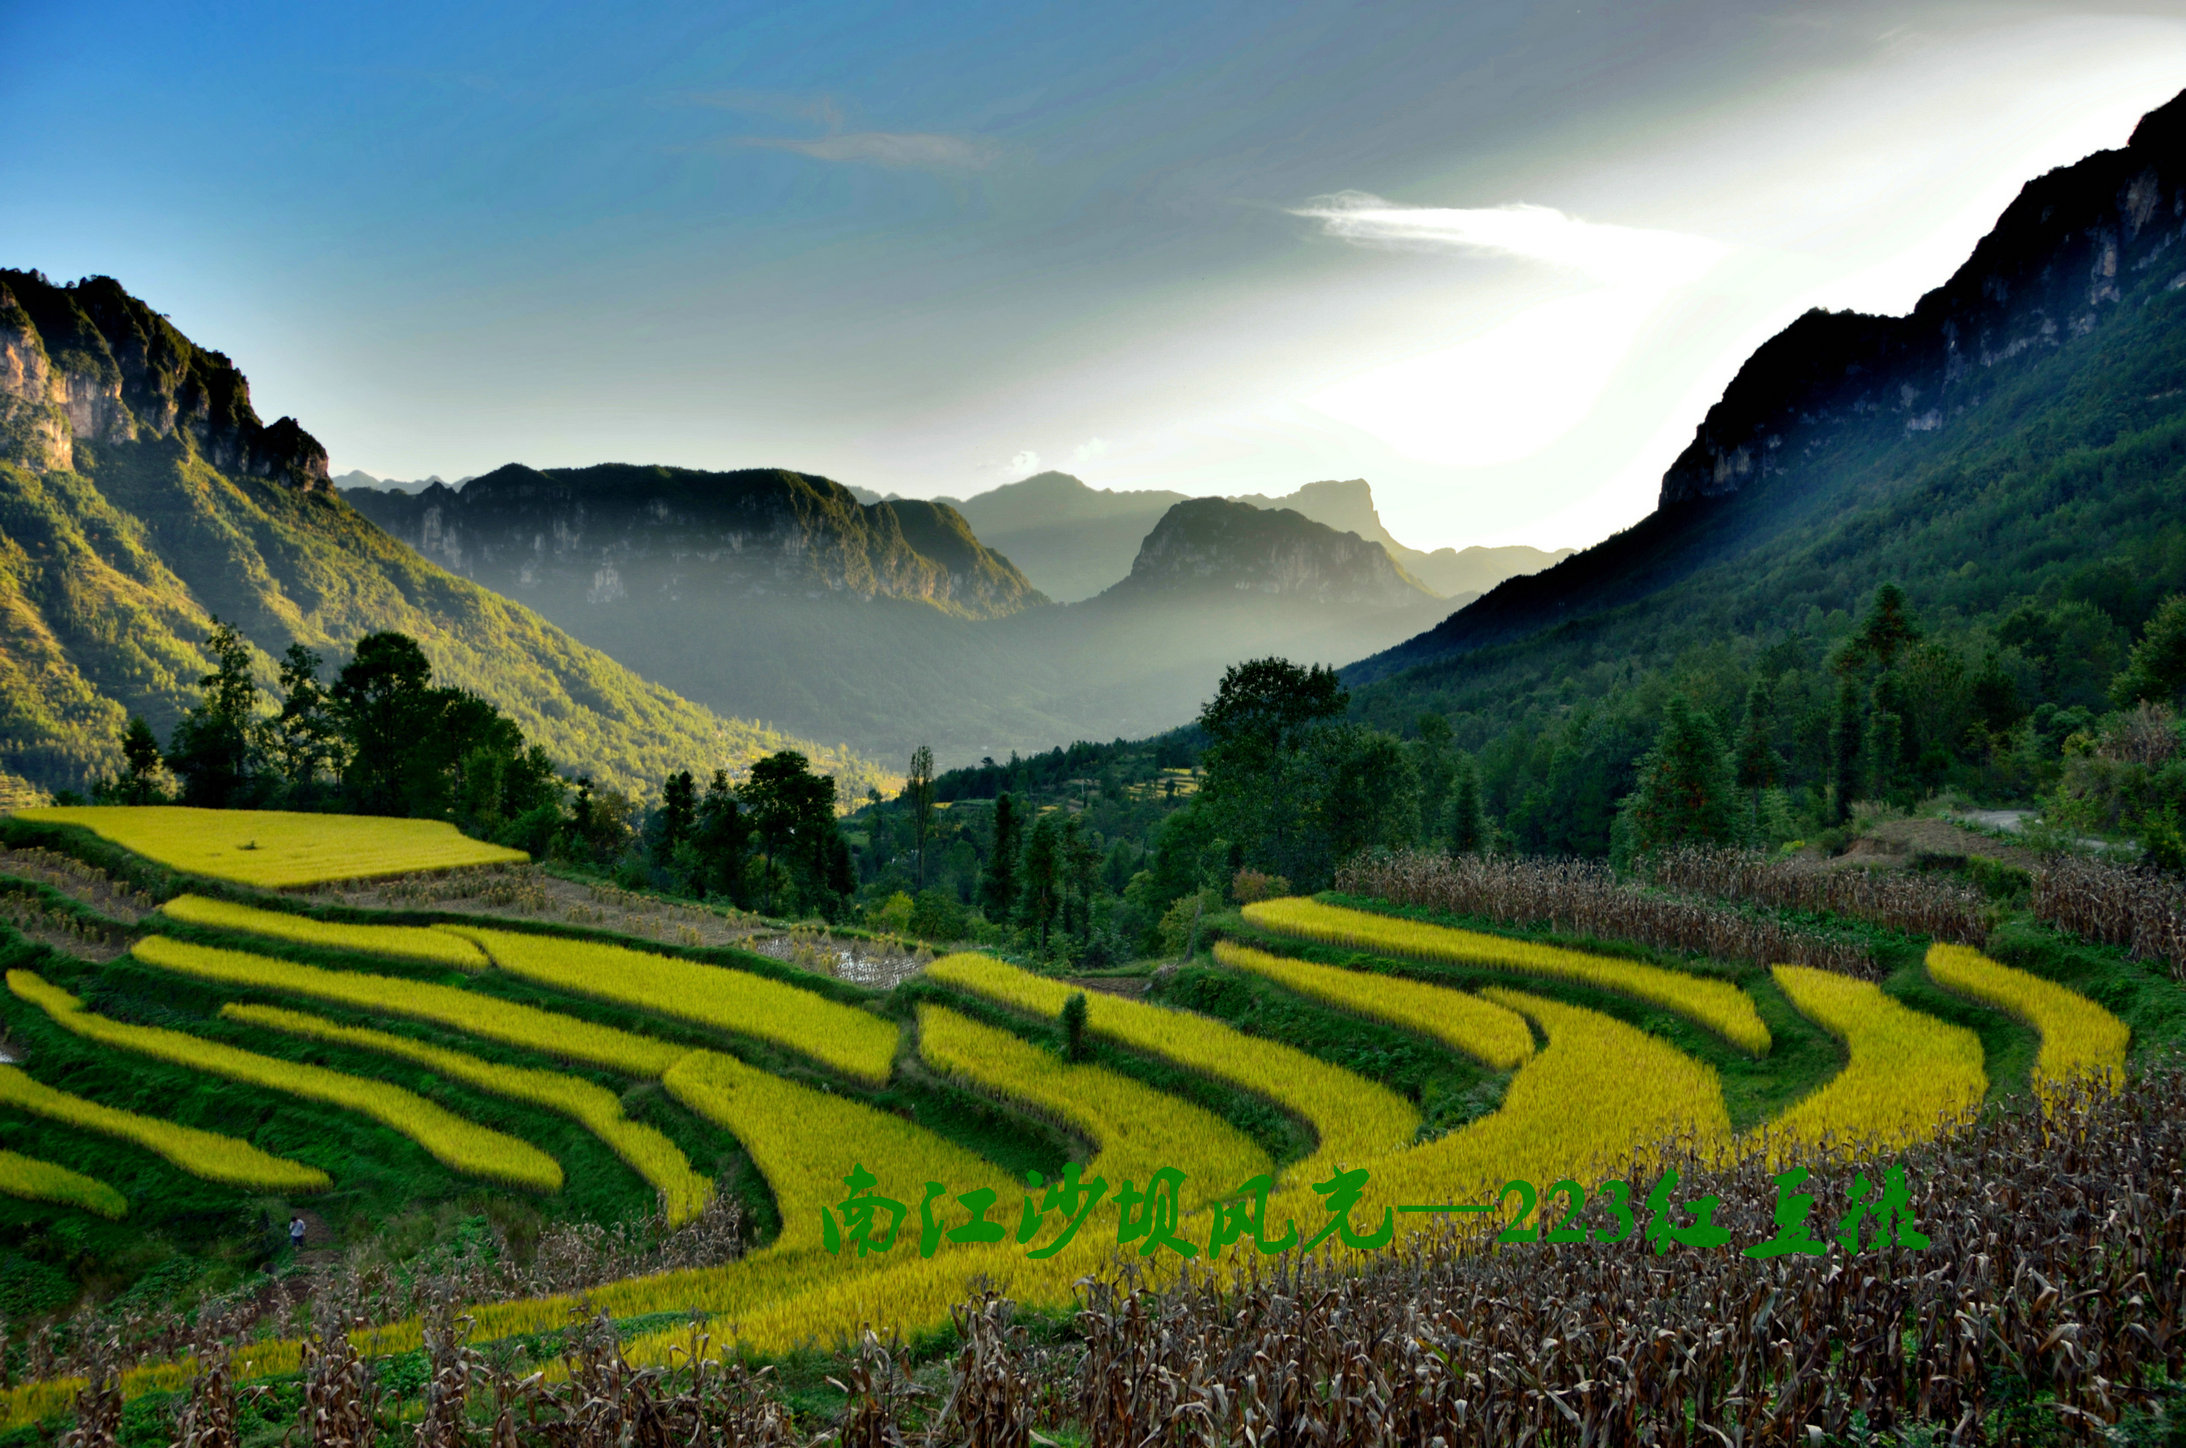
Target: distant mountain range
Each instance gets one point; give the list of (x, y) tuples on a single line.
[(891, 623), (140, 495), (1072, 540)]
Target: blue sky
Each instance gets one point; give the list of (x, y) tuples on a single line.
[(1496, 258)]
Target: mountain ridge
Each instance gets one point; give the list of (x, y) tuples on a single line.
[(119, 544), (1839, 390)]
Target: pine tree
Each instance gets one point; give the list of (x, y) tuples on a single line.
[(1684, 795), (918, 793), (1759, 765), (1845, 729), (1041, 895), (1468, 824), (998, 890)]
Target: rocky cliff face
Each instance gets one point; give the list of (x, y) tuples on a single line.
[(616, 534), (1214, 544), (89, 363), (2076, 247)]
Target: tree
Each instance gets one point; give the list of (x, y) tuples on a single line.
[(998, 891), (214, 751), (1074, 1013), (1258, 790), (793, 818), (1759, 765), (1685, 783), (1366, 796), (1467, 830), (676, 820), (1262, 704), (719, 834), (302, 737), (1887, 628), (2156, 670), (1845, 729), (382, 702), (918, 793), (142, 779), (1081, 869), (1041, 889)]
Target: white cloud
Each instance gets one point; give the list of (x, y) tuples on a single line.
[(1621, 255), (907, 150), (1024, 465), (1087, 451), (1510, 390)]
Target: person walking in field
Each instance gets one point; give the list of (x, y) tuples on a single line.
[(296, 1233)]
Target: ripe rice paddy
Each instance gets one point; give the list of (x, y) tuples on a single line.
[(276, 849)]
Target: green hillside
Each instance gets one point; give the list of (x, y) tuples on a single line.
[(119, 545), (2013, 455)]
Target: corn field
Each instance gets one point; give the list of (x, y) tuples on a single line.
[(2142, 910), (1582, 897), (2046, 1308), (1941, 909)]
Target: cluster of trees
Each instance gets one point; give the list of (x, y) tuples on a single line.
[(382, 738)]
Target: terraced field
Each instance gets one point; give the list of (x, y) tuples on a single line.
[(882, 1139)]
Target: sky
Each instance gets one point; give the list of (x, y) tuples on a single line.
[(1495, 257)]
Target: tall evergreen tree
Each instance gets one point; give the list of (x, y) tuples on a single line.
[(676, 820), (1759, 765), (1040, 897), (998, 890), (1886, 630), (1467, 831), (1845, 730), (1685, 786), (918, 794)]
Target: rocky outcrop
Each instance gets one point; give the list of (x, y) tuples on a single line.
[(617, 532), (89, 363), (2076, 247), (1215, 544)]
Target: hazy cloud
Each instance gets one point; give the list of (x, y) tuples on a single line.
[(915, 150), (1025, 464), (1088, 450), (1616, 254)]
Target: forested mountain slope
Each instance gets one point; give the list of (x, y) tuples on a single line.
[(2057, 333), (141, 496), (2013, 453)]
